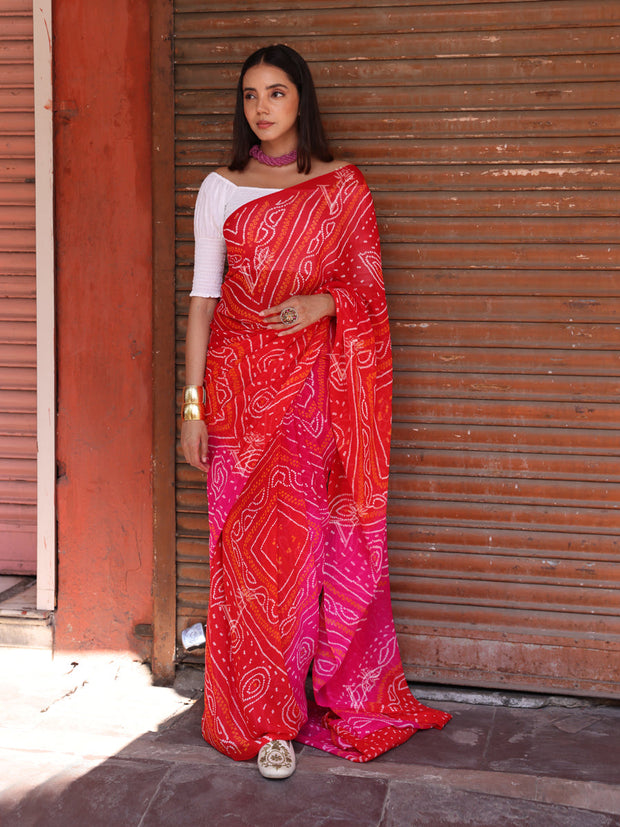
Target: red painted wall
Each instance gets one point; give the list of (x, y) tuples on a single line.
[(103, 231)]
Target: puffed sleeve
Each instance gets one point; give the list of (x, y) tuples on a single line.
[(210, 247)]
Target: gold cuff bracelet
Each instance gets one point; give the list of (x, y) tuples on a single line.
[(194, 403), (194, 395)]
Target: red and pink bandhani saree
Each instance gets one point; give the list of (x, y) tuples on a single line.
[(299, 435)]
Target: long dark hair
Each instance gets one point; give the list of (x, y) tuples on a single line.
[(312, 139)]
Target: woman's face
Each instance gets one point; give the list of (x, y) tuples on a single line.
[(271, 104)]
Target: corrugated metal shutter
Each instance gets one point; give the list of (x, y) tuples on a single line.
[(489, 134), (17, 291)]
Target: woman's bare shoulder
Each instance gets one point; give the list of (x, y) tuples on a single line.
[(324, 167), (228, 174)]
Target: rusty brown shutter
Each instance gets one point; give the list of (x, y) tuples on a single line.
[(488, 133), (17, 291)]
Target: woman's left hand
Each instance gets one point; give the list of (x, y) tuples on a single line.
[(307, 311)]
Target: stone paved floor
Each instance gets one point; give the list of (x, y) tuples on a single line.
[(96, 744)]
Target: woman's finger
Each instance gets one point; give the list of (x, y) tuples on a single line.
[(272, 314), (306, 310), (276, 318)]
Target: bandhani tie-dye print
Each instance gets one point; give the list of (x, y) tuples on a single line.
[(299, 436)]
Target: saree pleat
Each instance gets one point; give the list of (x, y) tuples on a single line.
[(299, 433)]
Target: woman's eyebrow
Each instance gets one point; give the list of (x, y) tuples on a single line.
[(271, 86)]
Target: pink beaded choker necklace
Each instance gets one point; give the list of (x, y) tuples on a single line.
[(269, 160)]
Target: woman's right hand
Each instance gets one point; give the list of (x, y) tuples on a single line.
[(194, 442)]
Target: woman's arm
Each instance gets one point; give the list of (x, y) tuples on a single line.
[(194, 433)]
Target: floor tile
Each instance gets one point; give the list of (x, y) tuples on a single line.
[(22, 771), (240, 797), (566, 743), (183, 728), (461, 743), (117, 792), (423, 805)]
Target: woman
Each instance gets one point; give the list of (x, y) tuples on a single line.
[(292, 426)]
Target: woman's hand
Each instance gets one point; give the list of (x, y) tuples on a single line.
[(308, 310), (194, 442)]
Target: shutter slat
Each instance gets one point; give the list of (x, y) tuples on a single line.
[(192, 168), (329, 71), (416, 46), (379, 20), (431, 98), (431, 125)]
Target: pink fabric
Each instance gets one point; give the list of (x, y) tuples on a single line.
[(299, 433)]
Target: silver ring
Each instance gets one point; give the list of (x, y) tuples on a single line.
[(288, 316)]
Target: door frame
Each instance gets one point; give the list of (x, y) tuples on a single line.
[(45, 306), (164, 419)]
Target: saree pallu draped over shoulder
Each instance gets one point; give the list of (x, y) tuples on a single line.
[(299, 436)]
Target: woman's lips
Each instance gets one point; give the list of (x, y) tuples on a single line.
[(264, 124)]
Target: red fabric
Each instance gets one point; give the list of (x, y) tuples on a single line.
[(299, 431)]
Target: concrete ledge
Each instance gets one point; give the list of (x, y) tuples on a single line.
[(30, 629)]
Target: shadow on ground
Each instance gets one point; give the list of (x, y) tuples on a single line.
[(549, 767)]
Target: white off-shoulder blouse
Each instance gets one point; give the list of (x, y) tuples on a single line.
[(217, 199)]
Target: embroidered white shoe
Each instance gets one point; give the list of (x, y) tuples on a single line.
[(276, 759)]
